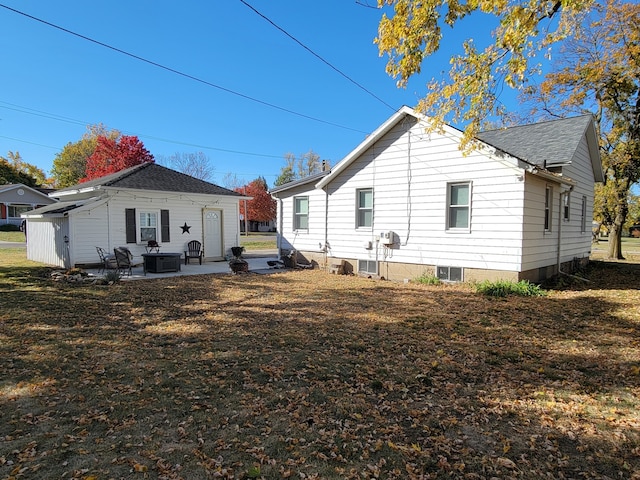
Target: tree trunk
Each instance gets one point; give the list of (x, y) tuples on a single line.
[(615, 231)]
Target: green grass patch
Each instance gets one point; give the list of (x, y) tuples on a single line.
[(504, 288), (11, 236), (428, 279)]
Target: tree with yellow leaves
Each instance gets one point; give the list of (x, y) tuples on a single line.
[(469, 95), (598, 70)]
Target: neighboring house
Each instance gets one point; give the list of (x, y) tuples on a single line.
[(129, 208), (406, 203), (16, 199)]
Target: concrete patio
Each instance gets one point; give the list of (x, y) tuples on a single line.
[(257, 264)]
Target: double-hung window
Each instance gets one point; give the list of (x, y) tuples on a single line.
[(583, 218), (148, 222), (548, 205), (300, 213), (458, 206), (566, 207), (364, 211)]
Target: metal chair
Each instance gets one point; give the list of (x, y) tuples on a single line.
[(107, 260), (194, 250), (124, 260)]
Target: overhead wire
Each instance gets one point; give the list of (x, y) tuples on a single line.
[(178, 72), (51, 116), (323, 60)]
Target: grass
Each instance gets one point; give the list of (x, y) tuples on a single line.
[(308, 375), (258, 241), (11, 236)]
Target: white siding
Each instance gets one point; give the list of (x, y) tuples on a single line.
[(311, 239), (49, 232), (103, 224), (409, 172)]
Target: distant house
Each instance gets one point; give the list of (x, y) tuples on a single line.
[(16, 199), (405, 202), (129, 208)]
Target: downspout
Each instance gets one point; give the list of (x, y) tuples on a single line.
[(280, 225), (560, 220), (325, 247)]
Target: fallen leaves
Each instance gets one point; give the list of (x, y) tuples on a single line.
[(305, 375)]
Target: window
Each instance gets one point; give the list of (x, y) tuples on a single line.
[(144, 226), (148, 226), (566, 204), (17, 210), (368, 266), (364, 213), (583, 218), (450, 274), (300, 213), (548, 204), (459, 205)]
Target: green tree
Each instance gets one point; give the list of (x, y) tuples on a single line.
[(69, 165), (599, 70), (10, 174), (36, 174), (522, 29), (307, 164)]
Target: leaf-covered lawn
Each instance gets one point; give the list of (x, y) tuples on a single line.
[(309, 375)]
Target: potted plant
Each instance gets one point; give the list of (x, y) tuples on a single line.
[(237, 264)]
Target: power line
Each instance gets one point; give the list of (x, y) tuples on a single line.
[(326, 62), (51, 116), (178, 72)]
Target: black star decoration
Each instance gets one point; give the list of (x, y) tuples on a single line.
[(185, 228)]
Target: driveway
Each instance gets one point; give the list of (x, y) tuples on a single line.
[(4, 244)]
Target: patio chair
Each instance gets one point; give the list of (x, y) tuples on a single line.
[(107, 260), (124, 260), (194, 250)]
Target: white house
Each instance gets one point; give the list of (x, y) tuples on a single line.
[(405, 202), (129, 208)]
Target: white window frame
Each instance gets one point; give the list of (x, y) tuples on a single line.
[(298, 215), (566, 207), (147, 214), (548, 208), (583, 219), (17, 209), (367, 263), (443, 272), (360, 209), (451, 207)]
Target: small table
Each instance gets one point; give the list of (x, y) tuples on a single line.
[(161, 262)]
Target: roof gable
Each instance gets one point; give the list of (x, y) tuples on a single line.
[(150, 176), (548, 144), (33, 192)]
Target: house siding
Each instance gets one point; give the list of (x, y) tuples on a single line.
[(409, 173), (311, 239), (51, 232)]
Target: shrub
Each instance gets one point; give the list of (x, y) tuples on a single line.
[(9, 227), (112, 276), (502, 288), (428, 279)]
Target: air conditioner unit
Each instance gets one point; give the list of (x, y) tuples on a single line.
[(386, 238)]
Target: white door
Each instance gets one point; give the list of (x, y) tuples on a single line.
[(212, 226)]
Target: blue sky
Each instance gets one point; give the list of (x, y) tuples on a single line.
[(54, 84)]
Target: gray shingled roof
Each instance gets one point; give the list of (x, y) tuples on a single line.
[(150, 176), (553, 142)]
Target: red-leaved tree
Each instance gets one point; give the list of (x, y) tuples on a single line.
[(262, 208), (114, 154)]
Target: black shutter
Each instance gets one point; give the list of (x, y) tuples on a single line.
[(164, 225), (130, 228)]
